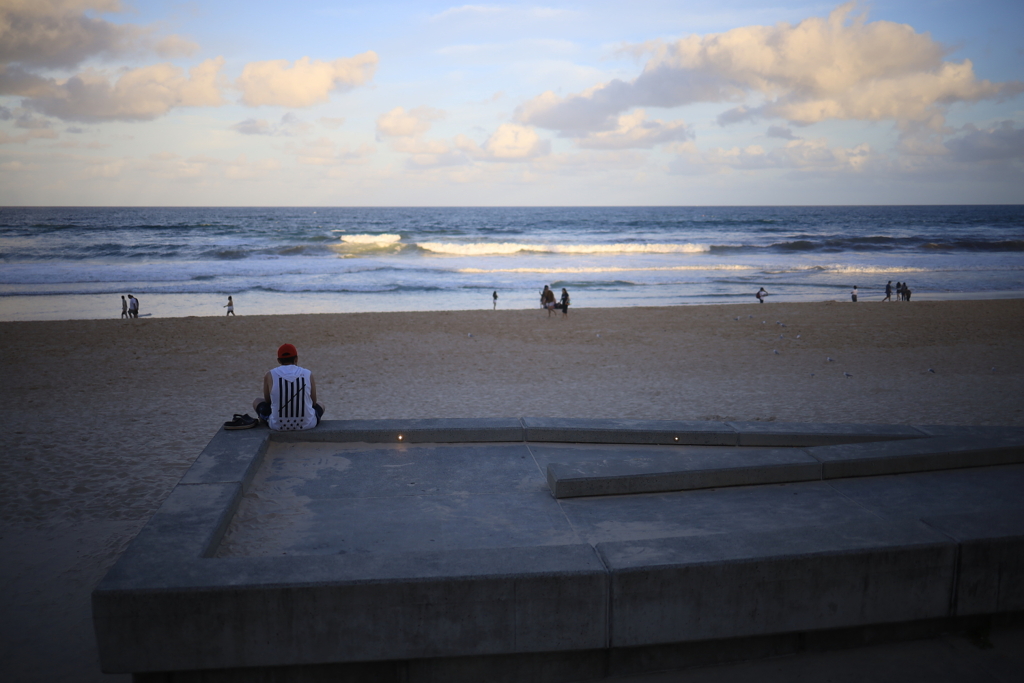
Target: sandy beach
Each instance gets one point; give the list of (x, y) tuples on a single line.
[(104, 416)]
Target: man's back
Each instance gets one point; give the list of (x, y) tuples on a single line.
[(291, 403)]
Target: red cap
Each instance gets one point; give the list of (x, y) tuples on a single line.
[(287, 351)]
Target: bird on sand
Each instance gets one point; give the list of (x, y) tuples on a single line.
[(828, 358), (847, 375)]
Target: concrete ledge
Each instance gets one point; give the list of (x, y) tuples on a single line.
[(454, 430), (918, 455), (975, 431), (808, 578), (991, 559), (231, 456), (189, 524), (665, 432), (318, 609), (592, 665), (811, 434), (684, 471)]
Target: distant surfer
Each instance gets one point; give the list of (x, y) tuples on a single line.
[(230, 305), (761, 294)]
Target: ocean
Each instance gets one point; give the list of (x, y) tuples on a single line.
[(65, 263)]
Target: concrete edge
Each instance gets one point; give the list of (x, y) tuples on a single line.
[(818, 434), (655, 432), (922, 455), (453, 430), (322, 608), (563, 485)]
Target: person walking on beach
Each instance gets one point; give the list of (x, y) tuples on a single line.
[(565, 302), (133, 307), (547, 299), (495, 297), (124, 307), (899, 291), (230, 306), (289, 395), (888, 291), (853, 294), (906, 292), (761, 294)]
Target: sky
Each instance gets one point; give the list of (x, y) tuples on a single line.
[(650, 102)]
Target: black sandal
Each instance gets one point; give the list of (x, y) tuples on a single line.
[(241, 422)]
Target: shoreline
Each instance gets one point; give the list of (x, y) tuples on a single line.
[(177, 306)]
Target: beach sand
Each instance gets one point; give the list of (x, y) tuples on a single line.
[(104, 416)]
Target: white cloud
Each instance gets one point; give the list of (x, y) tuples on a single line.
[(304, 84), (512, 142), (805, 155), (819, 69), (331, 123), (399, 123), (289, 124), (58, 33), (137, 95), (325, 152), (1001, 142), (781, 132), (22, 138), (635, 131), (173, 46)]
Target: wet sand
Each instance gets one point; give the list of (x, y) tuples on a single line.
[(104, 416)]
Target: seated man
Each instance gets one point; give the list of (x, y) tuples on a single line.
[(289, 395)]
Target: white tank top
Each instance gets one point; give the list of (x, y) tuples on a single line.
[(291, 405)]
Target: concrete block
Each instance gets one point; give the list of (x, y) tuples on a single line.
[(917, 455), (990, 578), (668, 432), (231, 456), (236, 612), (798, 579), (709, 468), (977, 431), (449, 430), (817, 434)]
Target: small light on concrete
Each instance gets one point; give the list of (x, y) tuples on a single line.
[(399, 437), (676, 438)]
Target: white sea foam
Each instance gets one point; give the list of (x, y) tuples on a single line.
[(607, 269), (371, 239), (508, 248)]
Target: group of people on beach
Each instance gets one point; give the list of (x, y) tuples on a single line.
[(129, 307), (902, 291), (547, 300)]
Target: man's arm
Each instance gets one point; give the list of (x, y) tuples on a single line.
[(268, 382), (312, 388)]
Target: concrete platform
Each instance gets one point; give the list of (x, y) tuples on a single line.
[(349, 554)]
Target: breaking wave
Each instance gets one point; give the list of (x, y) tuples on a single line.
[(508, 248)]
